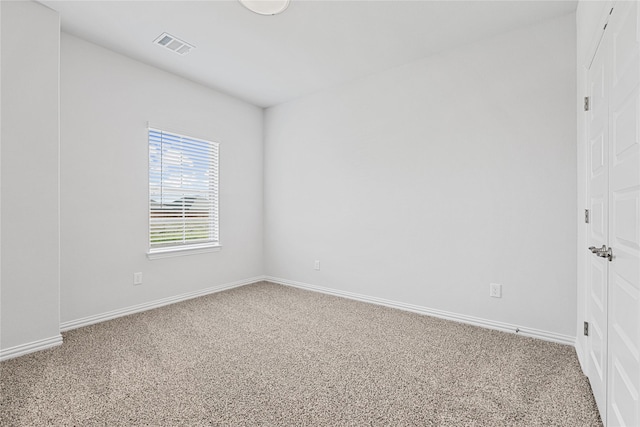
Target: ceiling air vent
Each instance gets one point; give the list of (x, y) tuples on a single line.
[(173, 43)]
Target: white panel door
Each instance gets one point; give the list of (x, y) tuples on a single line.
[(598, 183), (623, 369)]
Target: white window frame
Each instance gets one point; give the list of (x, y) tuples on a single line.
[(185, 248)]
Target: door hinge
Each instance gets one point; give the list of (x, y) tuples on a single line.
[(586, 216), (586, 329), (586, 103)]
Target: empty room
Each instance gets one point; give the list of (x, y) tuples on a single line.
[(320, 213)]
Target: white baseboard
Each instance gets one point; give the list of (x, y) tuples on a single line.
[(463, 318), (581, 355), (31, 347), (22, 349), (97, 318)]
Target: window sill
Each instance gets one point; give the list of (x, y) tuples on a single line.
[(189, 250)]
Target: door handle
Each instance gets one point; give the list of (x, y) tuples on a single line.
[(602, 252)]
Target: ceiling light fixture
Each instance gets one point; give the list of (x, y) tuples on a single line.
[(266, 7)]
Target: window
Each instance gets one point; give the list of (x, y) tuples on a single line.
[(183, 193)]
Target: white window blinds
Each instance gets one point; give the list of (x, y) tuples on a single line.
[(183, 191)]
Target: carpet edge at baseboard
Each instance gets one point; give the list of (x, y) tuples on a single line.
[(456, 317), (113, 314), (476, 321), (30, 347)]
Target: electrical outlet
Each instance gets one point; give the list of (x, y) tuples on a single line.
[(137, 278), (495, 290), (316, 265)]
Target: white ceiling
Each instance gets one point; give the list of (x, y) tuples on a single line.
[(268, 60)]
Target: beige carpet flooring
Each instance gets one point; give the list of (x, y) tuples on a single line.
[(266, 354)]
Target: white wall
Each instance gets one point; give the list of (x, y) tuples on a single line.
[(589, 17), (425, 183), (29, 175), (420, 184), (106, 102)]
